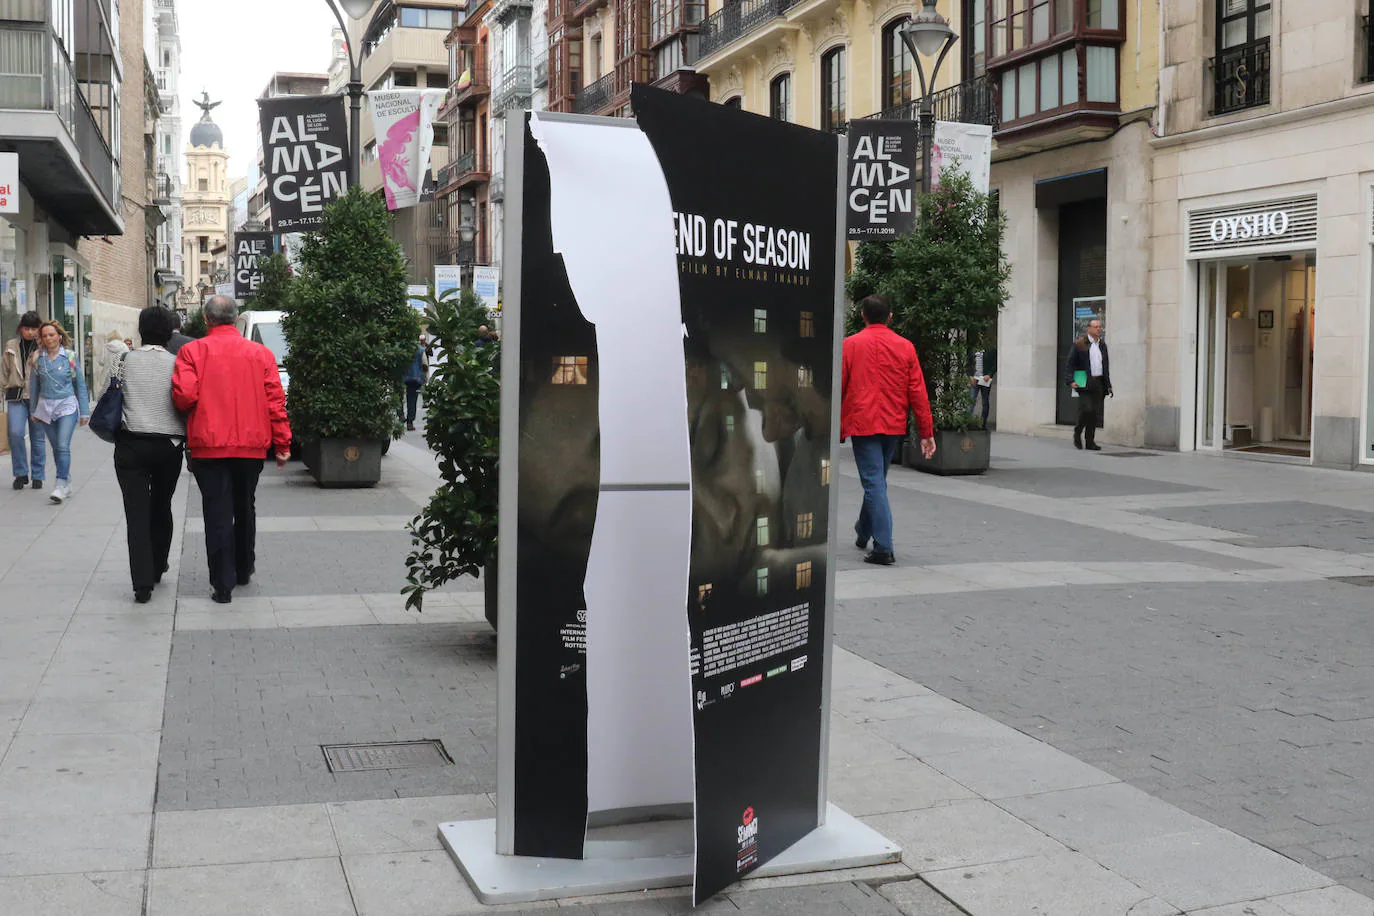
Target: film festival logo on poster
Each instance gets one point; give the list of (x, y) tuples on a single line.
[(730, 248), (747, 835)]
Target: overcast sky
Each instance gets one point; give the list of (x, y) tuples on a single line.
[(232, 50)]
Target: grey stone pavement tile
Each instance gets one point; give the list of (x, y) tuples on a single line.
[(300, 887), (1329, 901), (110, 893), (1062, 884), (57, 844), (238, 835)]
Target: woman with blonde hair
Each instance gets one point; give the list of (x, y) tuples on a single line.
[(107, 358), (57, 391)]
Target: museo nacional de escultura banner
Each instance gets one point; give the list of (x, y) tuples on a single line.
[(883, 178), (404, 123), (756, 245), (305, 148), (251, 251)]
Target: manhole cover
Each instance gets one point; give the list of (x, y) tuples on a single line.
[(392, 755), (1129, 454), (1366, 581)]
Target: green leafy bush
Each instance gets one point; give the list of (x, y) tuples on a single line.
[(274, 289), (947, 281), (456, 533), (194, 325), (350, 328)]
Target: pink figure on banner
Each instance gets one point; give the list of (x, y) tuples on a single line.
[(937, 161), (391, 155)]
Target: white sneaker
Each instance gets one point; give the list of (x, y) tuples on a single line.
[(60, 493)]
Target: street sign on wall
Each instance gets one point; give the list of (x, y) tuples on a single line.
[(305, 146), (9, 182)]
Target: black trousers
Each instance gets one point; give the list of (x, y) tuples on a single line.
[(147, 468), (412, 399), (1090, 401), (228, 493)]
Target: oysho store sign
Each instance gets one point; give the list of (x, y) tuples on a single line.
[(1287, 223), (1273, 224)]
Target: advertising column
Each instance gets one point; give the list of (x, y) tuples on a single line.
[(756, 244)]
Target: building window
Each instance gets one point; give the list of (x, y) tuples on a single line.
[(1051, 82), (804, 574), (825, 472), (724, 378), (570, 370), (761, 531), (417, 18), (806, 525), (1240, 72), (780, 97), (1104, 14), (1020, 24), (735, 101), (975, 45), (808, 324), (203, 184), (832, 90), (204, 244), (760, 321), (761, 582), (805, 377), (896, 66), (760, 376), (703, 595)]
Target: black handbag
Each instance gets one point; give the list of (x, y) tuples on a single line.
[(108, 415)]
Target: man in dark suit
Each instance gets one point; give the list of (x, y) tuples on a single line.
[(1089, 356), (178, 338)]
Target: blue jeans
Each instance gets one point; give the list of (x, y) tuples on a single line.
[(30, 461), (973, 391), (59, 434), (873, 455)]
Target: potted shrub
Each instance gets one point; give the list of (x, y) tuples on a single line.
[(947, 281), (351, 332), (455, 534)]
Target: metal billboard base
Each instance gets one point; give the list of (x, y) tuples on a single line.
[(636, 857)]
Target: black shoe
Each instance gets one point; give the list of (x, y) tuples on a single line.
[(222, 596), (143, 595), (1077, 440), (21, 482), (410, 426), (880, 557), (38, 484), (1093, 447)]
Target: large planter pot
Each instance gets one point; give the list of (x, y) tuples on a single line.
[(955, 453), (346, 462), (309, 452)]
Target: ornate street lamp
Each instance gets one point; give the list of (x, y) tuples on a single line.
[(356, 9), (928, 34)]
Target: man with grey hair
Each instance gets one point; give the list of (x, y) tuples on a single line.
[(231, 393)]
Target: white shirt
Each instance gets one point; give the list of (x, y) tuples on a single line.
[(1095, 358)]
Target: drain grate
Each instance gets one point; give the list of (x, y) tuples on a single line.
[(391, 755), (1130, 454), (1366, 581)]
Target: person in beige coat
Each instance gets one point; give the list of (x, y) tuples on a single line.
[(106, 359), (26, 458)]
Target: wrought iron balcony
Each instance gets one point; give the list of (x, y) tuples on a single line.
[(737, 19), (541, 71), (496, 192), (1240, 77), (594, 97), (502, 10), (971, 102), (474, 81), (162, 196)]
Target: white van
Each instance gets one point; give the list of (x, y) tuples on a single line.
[(265, 328)]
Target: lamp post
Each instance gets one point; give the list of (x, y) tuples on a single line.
[(356, 9), (927, 34)]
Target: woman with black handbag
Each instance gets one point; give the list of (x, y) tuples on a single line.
[(27, 456), (148, 446)]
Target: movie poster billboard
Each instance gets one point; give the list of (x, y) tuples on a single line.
[(251, 251), (403, 120), (965, 146), (305, 146), (756, 246), (883, 178)]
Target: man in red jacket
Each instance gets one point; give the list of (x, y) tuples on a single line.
[(231, 393), (881, 380)]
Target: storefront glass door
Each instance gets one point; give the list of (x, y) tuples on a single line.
[(1211, 355)]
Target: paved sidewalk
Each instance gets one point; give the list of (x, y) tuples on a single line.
[(165, 758)]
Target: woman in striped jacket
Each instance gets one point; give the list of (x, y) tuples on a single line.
[(147, 455)]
